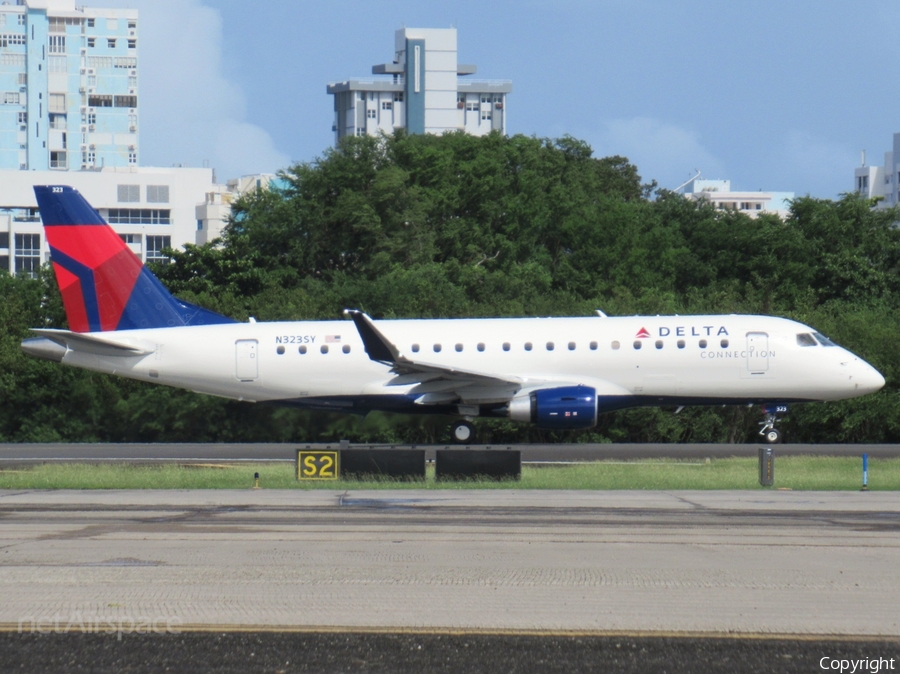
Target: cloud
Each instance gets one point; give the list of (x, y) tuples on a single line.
[(190, 113), (662, 151)]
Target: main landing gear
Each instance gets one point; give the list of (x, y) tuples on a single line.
[(771, 435), (462, 432)]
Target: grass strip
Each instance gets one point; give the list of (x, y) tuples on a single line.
[(791, 472)]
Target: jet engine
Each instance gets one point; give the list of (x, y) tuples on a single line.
[(564, 407)]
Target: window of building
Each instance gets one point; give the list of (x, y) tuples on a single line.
[(398, 97), (58, 159), (485, 99), (56, 103), (155, 247), (139, 216), (111, 42), (89, 157), (100, 62), (57, 64), (125, 102), (132, 158), (130, 238), (157, 194), (386, 105), (22, 117), (132, 25), (22, 79), (360, 131), (92, 42), (132, 44), (486, 114), (124, 61), (4, 239), (100, 100), (11, 39), (28, 254), (57, 44), (90, 118), (2, 19), (21, 19), (8, 59), (57, 121), (4, 263), (371, 114), (10, 97), (128, 193), (132, 82), (90, 23)]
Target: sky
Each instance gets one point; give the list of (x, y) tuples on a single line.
[(772, 95)]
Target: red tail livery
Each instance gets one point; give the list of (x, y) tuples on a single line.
[(104, 285)]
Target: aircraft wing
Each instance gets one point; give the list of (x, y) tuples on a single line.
[(436, 384)]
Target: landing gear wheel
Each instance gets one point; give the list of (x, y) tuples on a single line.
[(772, 436), (462, 432)]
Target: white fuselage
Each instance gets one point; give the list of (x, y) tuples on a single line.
[(667, 359)]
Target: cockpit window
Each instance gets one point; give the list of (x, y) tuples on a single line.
[(823, 340), (806, 339)]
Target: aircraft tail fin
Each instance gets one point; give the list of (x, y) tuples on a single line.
[(104, 285)]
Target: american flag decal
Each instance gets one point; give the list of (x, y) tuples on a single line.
[(332, 339)]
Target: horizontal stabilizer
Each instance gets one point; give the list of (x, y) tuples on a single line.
[(101, 346)]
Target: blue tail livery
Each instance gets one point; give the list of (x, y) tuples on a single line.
[(104, 285)]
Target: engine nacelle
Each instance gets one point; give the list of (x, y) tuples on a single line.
[(557, 408)]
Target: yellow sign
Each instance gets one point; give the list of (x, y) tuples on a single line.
[(317, 465)]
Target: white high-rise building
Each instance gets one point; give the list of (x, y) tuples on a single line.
[(883, 181), (424, 90)]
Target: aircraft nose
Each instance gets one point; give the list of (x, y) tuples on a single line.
[(867, 379)]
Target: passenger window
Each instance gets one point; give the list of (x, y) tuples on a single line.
[(528, 346), (437, 348), (724, 343), (702, 343), (345, 348), (680, 343), (615, 345), (637, 344), (459, 347), (659, 344), (302, 350), (550, 346), (806, 339), (571, 346), (506, 346), (481, 346), (280, 350), (415, 348), (324, 348)]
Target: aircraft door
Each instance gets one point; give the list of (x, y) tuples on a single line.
[(246, 361), (757, 352)]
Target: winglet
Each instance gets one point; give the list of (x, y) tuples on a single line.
[(376, 344)]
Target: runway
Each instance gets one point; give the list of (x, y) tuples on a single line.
[(562, 562), (20, 455)]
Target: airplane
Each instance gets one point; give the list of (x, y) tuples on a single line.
[(556, 373)]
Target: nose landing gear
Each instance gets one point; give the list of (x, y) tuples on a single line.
[(771, 435)]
